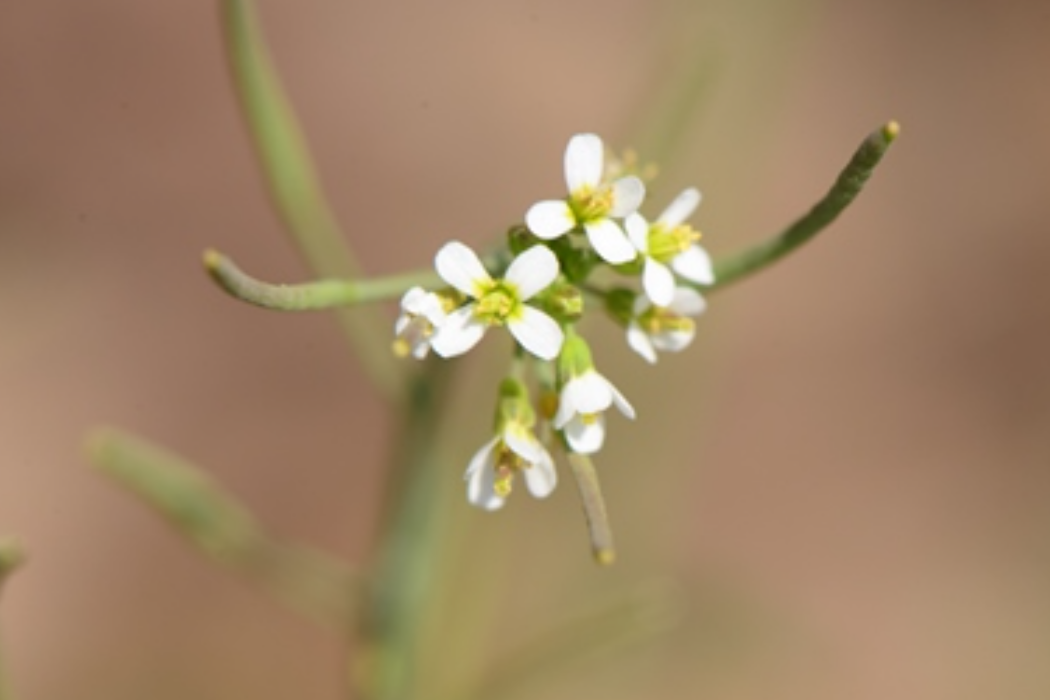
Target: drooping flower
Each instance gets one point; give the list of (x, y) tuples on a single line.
[(497, 302), (421, 313), (585, 395), (667, 328), (592, 204), (513, 450), (670, 244)]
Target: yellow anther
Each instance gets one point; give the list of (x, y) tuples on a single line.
[(589, 204)]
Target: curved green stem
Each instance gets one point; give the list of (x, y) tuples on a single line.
[(311, 296), (293, 184), (846, 188)]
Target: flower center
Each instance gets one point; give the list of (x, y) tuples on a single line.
[(589, 204), (497, 303), (665, 245)]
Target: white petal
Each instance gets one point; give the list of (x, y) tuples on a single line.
[(673, 341), (687, 302), (589, 393), (481, 479), (550, 219), (459, 333), (695, 264), (522, 442), (621, 402), (658, 282), (610, 242), (638, 231), (533, 271), (460, 267), (483, 458), (541, 477), (680, 209), (401, 323), (584, 158), (566, 409), (421, 349), (640, 343), (641, 305), (586, 437), (537, 332), (628, 193), (432, 310), (413, 300)]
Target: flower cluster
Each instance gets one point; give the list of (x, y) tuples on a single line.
[(538, 293)]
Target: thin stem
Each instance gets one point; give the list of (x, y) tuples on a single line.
[(225, 531), (593, 508), (311, 296), (846, 188), (293, 184)]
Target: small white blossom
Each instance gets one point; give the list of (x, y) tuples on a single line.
[(592, 204), (421, 313), (515, 449), (497, 302), (664, 328), (670, 244), (580, 410)]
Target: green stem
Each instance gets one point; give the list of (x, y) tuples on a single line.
[(407, 555), (294, 187), (593, 508), (846, 188), (311, 296)]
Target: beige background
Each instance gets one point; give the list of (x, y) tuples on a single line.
[(848, 473)]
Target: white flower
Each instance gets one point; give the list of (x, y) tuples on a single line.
[(591, 203), (664, 328), (669, 242), (491, 472), (497, 302), (421, 313), (583, 399)]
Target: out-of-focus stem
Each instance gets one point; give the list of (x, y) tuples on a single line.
[(311, 296), (224, 530), (846, 188), (403, 582), (293, 185)]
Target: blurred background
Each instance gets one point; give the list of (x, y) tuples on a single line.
[(846, 476)]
